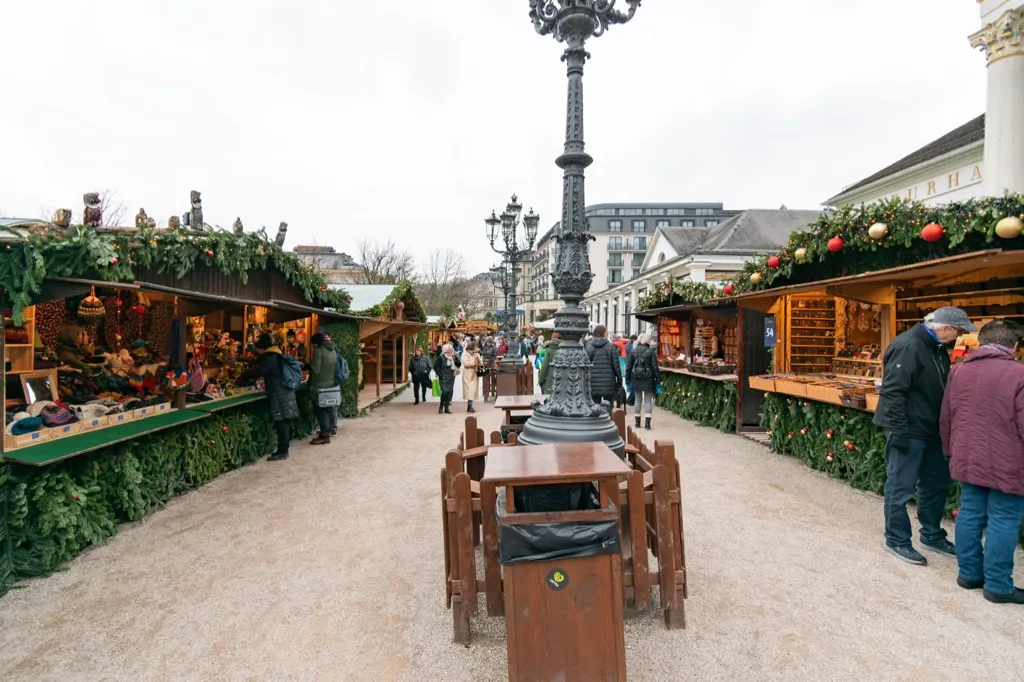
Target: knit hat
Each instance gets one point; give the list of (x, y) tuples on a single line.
[(36, 408), (27, 425), (57, 415), (17, 417)]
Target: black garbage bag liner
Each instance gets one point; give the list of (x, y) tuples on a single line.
[(529, 542)]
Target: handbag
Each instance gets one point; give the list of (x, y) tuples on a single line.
[(435, 390), (328, 397), (631, 398)]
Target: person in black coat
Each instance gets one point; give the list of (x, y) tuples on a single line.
[(280, 400), (419, 369), (643, 377), (446, 366), (605, 376)]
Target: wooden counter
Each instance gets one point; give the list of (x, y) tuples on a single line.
[(733, 378)]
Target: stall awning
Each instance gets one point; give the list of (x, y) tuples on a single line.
[(876, 286), (652, 314)]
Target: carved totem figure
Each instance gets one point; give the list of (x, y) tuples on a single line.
[(93, 216), (195, 216), (62, 217), (174, 223), (237, 227), (141, 219), (282, 231)]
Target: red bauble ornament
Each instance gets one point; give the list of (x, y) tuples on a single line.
[(113, 261), (224, 429), (955, 512), (774, 262), (851, 447), (803, 431), (932, 232), (836, 244), (829, 433), (209, 253), (74, 497), (729, 289), (139, 309), (213, 442)]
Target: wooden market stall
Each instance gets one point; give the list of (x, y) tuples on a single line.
[(832, 334), (392, 322)]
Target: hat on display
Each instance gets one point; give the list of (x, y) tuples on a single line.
[(952, 317), (36, 408), (56, 415), (17, 417), (26, 425)]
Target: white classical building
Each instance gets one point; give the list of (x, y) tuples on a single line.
[(984, 156), (696, 255)]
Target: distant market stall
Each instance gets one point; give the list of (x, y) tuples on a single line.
[(123, 352), (705, 344), (841, 291)]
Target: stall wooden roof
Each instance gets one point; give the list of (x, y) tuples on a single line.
[(876, 286)]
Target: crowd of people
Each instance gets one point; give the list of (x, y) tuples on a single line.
[(966, 423), (625, 370)]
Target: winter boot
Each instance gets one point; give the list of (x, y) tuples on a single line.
[(638, 422), (647, 423), (440, 408)]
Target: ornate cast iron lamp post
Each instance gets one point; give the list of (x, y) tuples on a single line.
[(570, 415), (499, 280), (514, 256)]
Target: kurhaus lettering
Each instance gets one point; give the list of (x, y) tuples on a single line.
[(942, 184)]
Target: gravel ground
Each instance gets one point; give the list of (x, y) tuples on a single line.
[(329, 567)]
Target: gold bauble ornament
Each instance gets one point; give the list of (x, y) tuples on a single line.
[(1009, 227), (800, 253), (755, 278), (878, 231)]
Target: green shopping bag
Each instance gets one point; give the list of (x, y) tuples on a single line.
[(436, 390)]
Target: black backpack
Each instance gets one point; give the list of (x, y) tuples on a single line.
[(642, 366)]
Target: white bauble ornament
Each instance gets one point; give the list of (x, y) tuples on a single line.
[(878, 231), (755, 278), (800, 253), (1009, 227)]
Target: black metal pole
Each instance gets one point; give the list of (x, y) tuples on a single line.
[(570, 415)]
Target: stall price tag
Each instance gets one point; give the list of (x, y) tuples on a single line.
[(769, 331)]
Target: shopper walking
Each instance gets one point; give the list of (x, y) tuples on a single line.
[(915, 368), (446, 367), (620, 344), (322, 371), (643, 378), (278, 376), (982, 427), (547, 375), (419, 371), (471, 362), (605, 378)]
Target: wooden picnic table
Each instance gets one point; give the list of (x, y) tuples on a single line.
[(513, 403), (549, 639)]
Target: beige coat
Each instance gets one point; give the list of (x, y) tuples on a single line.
[(470, 382)]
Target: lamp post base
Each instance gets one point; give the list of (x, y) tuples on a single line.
[(542, 429)]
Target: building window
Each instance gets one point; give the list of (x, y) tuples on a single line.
[(687, 223), (615, 225), (615, 260), (710, 222), (654, 211), (636, 273), (638, 260), (615, 277), (661, 258), (639, 225), (614, 243), (705, 211), (676, 211), (631, 211), (661, 223), (639, 242), (601, 211)]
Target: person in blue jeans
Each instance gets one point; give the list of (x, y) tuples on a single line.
[(915, 368), (982, 426)]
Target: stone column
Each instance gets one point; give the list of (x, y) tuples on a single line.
[(1002, 38)]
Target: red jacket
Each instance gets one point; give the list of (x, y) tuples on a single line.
[(620, 343), (982, 421)]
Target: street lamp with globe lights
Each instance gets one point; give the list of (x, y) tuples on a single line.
[(514, 254), (569, 415)]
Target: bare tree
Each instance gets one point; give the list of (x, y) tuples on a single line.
[(384, 263), (443, 286)]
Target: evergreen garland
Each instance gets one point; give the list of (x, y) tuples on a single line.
[(674, 291), (968, 226), (708, 403), (113, 257), (403, 291)]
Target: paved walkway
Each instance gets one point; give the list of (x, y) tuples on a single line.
[(329, 567)]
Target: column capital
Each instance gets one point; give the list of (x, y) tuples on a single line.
[(1004, 37)]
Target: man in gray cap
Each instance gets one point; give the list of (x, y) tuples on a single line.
[(914, 371)]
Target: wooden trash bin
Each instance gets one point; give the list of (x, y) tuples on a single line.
[(563, 612)]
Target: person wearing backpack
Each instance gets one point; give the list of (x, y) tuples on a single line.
[(643, 377), (323, 371), (281, 376)]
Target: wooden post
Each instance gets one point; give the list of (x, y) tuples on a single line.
[(394, 361), (380, 360)]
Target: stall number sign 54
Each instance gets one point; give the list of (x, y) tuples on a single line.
[(769, 331)]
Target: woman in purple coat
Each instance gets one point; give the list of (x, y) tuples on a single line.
[(982, 427)]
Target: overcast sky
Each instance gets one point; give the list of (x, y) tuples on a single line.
[(412, 120)]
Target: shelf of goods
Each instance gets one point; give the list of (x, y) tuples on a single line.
[(672, 337), (848, 391), (989, 299), (811, 334)]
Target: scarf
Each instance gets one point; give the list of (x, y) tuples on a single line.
[(999, 346), (450, 359)]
